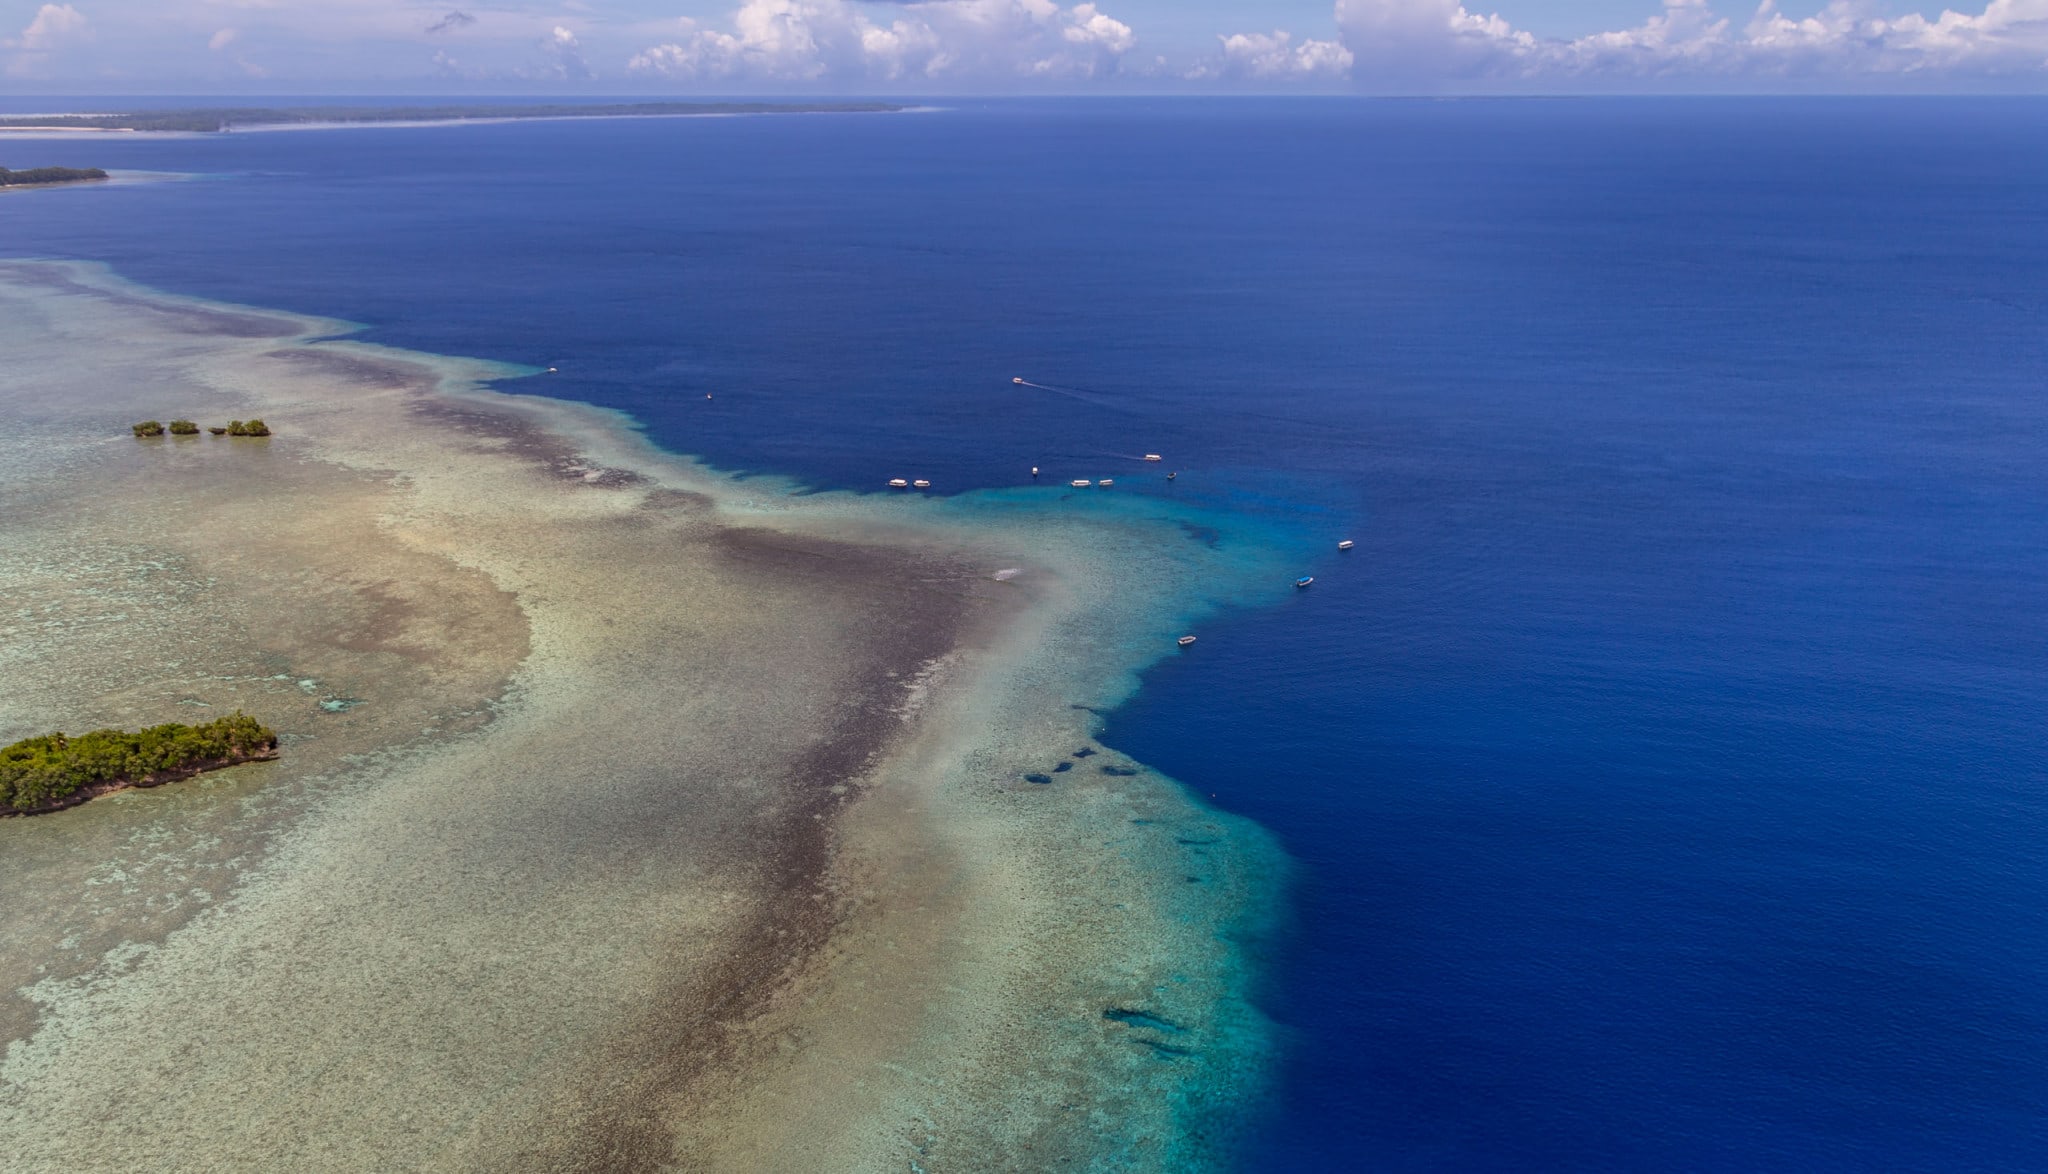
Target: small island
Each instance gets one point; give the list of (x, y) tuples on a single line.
[(215, 121), (149, 428), (53, 772), (35, 176)]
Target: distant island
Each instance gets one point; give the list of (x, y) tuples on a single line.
[(40, 175), (53, 772), (219, 120)]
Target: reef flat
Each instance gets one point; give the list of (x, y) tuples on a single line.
[(632, 816)]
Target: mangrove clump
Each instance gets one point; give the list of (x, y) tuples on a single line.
[(54, 771), (248, 428), (147, 428), (35, 175), (184, 428)]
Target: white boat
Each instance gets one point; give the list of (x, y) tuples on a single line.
[(1081, 484), (1344, 545), (1304, 581), (1034, 470), (1105, 483), (921, 483), (1171, 476), (1184, 641), (1153, 456), (1018, 379), (898, 483)]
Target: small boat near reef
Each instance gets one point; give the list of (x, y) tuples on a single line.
[(1184, 641), (898, 483), (1081, 484), (1304, 581), (1344, 545), (921, 483), (1153, 456), (1034, 470), (1105, 483)]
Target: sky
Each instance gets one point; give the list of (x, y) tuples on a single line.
[(909, 47)]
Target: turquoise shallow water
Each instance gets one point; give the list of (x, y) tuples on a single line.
[(1664, 763)]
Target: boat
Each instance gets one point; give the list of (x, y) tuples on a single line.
[(1344, 545), (1105, 483), (1171, 476), (1153, 456), (1034, 470), (921, 483), (1018, 380), (1184, 641), (1304, 581), (898, 483), (1081, 484)]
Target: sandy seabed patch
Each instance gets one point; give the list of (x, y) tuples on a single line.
[(630, 817)]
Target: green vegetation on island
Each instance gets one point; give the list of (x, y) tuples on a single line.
[(36, 175), (53, 771), (215, 120), (188, 428)]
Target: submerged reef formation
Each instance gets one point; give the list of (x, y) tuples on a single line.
[(637, 817), (53, 771)]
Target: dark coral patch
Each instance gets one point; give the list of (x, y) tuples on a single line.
[(1037, 778), (1122, 771)]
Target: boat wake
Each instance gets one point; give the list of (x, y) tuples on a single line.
[(1083, 394)]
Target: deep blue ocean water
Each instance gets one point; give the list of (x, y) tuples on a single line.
[(1667, 765)]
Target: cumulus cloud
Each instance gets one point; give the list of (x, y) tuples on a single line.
[(221, 39), (1274, 55), (814, 40), (1399, 44), (50, 27), (53, 28), (565, 54)]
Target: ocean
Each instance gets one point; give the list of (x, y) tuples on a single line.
[(1665, 766)]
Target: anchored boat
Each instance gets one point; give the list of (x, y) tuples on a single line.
[(1304, 581), (921, 483), (1344, 545), (898, 483), (1184, 641), (1081, 484)]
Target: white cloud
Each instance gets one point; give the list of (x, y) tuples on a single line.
[(220, 40), (52, 25), (1274, 55), (52, 28), (838, 40), (1403, 44), (565, 54)]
